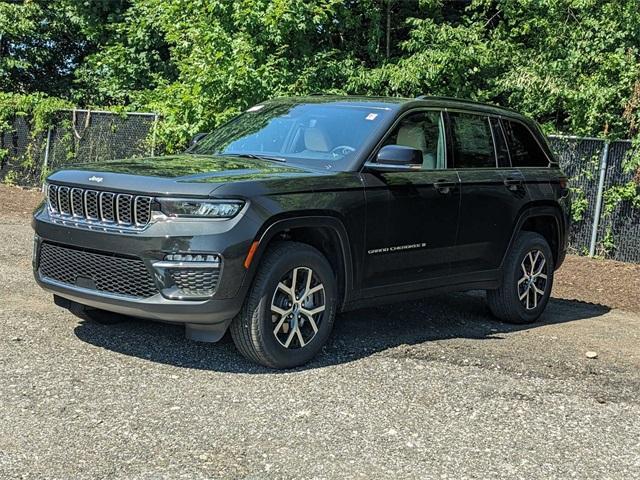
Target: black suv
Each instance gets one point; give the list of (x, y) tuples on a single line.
[(302, 207)]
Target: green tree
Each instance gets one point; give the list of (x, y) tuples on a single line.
[(574, 65)]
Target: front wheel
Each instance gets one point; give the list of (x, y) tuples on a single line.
[(526, 281), (289, 311)]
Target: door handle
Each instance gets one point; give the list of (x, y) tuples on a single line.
[(513, 183), (443, 186)]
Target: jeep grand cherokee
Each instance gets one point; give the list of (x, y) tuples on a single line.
[(300, 208)]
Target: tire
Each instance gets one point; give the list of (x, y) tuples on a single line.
[(272, 328), (519, 300)]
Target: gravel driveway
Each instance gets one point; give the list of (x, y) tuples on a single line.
[(430, 389)]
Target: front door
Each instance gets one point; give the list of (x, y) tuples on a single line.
[(412, 216)]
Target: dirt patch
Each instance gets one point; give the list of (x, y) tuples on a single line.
[(18, 202), (605, 282)]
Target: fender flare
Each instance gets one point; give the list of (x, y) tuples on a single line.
[(537, 211), (313, 220)]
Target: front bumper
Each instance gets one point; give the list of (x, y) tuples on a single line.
[(228, 239)]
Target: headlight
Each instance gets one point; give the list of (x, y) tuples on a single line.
[(175, 207)]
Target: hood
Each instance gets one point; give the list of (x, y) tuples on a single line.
[(176, 175)]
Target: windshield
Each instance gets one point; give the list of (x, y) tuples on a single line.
[(315, 134)]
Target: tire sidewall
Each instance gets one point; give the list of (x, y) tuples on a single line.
[(280, 355)]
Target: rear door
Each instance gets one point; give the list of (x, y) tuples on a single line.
[(528, 158), (412, 216), (487, 209)]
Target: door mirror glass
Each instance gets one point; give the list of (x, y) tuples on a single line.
[(399, 155)]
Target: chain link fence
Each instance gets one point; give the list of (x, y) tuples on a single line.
[(75, 136), (601, 226)]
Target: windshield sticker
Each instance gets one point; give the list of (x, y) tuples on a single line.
[(371, 116), (255, 108)]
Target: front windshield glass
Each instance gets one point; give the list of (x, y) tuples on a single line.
[(323, 135)]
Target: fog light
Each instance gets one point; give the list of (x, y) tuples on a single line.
[(178, 257)]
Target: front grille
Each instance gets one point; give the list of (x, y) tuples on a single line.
[(99, 206), (98, 271), (195, 281)]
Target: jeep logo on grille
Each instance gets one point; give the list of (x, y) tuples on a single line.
[(96, 179)]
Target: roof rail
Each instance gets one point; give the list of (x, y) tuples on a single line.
[(467, 101), (443, 97)]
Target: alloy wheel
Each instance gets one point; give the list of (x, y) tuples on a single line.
[(297, 307), (532, 285)]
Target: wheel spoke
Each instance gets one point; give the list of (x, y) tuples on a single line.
[(530, 256), (535, 298), (279, 326), (307, 285), (294, 280), (300, 339), (539, 270), (524, 268), (524, 294), (290, 337), (315, 289), (542, 275), (313, 311), (535, 260), (280, 311), (285, 289), (523, 279), (312, 322)]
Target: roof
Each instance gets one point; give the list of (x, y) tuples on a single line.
[(404, 102)]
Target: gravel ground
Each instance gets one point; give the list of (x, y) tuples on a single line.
[(429, 389)]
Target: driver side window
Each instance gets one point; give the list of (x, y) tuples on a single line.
[(425, 132)]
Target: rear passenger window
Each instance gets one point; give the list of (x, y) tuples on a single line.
[(472, 141), (523, 147)]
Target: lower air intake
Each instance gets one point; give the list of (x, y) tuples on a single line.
[(98, 271)]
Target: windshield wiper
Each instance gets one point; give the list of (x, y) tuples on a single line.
[(256, 156)]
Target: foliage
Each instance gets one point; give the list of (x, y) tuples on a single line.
[(607, 245), (579, 204), (616, 194), (38, 108), (571, 64), (43, 42), (38, 111)]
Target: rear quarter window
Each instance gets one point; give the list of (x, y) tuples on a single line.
[(524, 149)]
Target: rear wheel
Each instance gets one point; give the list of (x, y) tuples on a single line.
[(289, 311), (526, 282)]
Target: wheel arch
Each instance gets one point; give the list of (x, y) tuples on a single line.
[(322, 231), (545, 219)]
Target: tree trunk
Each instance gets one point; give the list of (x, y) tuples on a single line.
[(389, 28)]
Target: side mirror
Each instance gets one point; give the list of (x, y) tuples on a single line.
[(196, 138), (397, 157)]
